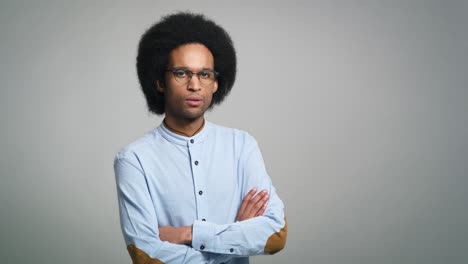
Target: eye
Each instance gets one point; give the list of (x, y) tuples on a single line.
[(180, 73), (206, 74)]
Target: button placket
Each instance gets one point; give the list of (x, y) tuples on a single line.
[(198, 177)]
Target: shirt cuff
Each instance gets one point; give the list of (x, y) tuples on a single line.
[(202, 235)]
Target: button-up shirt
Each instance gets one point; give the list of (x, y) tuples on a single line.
[(167, 179)]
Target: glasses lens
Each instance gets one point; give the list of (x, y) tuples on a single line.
[(182, 76), (206, 77)]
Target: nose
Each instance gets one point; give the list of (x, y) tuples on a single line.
[(194, 83)]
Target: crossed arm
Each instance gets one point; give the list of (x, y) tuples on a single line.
[(259, 229), (252, 205)]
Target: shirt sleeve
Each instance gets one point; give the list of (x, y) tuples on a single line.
[(139, 222), (264, 234)]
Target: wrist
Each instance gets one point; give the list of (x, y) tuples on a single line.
[(188, 235)]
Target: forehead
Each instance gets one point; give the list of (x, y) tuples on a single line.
[(192, 56)]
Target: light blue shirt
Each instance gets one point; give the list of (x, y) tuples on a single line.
[(167, 179)]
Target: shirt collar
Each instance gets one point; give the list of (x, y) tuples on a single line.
[(183, 140)]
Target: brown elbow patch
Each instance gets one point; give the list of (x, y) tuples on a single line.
[(277, 241), (140, 257)]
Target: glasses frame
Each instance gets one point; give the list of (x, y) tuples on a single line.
[(190, 74)]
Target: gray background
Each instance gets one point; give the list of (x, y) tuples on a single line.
[(360, 109)]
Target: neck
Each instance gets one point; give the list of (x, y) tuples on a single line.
[(184, 127)]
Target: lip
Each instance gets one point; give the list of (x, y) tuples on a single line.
[(194, 100)]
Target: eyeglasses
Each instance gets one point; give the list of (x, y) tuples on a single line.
[(183, 76)]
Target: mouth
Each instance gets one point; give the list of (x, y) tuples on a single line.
[(194, 101)]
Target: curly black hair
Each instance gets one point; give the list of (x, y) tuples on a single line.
[(175, 30)]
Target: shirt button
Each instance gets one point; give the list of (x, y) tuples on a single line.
[(191, 141), (200, 192), (202, 247), (232, 250), (203, 219), (196, 162)]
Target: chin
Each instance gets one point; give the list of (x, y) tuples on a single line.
[(189, 115)]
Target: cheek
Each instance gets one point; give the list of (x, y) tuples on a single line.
[(174, 92), (209, 98), (173, 99)]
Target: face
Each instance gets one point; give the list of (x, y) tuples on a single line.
[(186, 102)]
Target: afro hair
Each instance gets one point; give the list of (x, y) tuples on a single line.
[(175, 30)]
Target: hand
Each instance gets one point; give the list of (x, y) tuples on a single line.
[(176, 235), (252, 207)]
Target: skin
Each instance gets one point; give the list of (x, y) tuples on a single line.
[(188, 119)]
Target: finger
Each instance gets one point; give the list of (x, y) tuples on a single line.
[(260, 204), (245, 202), (262, 210), (251, 209)]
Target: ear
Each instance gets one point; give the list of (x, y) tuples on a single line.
[(215, 86), (160, 86)]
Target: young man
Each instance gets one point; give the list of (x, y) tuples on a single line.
[(190, 191)]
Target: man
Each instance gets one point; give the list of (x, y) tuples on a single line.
[(190, 191)]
